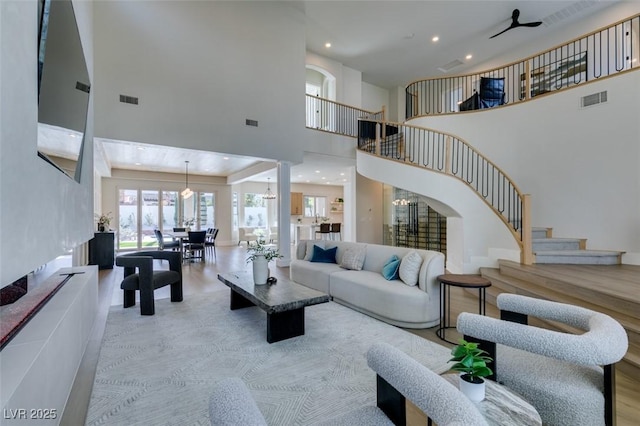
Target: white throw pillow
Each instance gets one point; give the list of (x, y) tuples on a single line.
[(410, 268), (353, 259), (309, 254)]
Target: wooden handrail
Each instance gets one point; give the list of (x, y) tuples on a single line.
[(593, 56), (450, 155)]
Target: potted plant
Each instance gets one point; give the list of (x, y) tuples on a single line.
[(471, 362), (260, 255), (104, 220), (188, 223)]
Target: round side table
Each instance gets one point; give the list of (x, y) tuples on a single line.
[(458, 280)]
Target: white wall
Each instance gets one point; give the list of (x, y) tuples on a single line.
[(200, 69), (374, 97), (43, 213), (580, 165)]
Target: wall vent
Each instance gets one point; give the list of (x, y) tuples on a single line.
[(253, 123), (83, 87), (594, 99), (451, 65), (128, 100), (568, 12)]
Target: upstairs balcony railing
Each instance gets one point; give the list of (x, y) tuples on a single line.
[(448, 154), (334, 117), (602, 53)]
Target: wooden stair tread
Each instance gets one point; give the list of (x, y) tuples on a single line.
[(628, 322), (626, 286)]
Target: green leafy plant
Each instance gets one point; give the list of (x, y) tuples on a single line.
[(261, 249), (471, 361)]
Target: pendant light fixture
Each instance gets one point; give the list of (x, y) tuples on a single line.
[(269, 195), (187, 192)]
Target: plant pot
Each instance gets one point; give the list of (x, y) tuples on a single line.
[(260, 270), (101, 228), (472, 390)]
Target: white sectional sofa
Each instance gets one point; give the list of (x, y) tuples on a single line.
[(367, 290)]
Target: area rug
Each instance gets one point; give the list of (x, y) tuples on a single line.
[(159, 370)]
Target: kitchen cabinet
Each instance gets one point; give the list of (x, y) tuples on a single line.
[(296, 204)]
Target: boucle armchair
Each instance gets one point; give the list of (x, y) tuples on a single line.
[(146, 280), (398, 377), (568, 378)]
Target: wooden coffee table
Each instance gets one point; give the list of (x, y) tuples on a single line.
[(283, 301)]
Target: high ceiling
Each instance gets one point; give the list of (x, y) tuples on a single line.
[(390, 42)]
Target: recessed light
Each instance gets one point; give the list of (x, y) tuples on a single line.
[(72, 135), (140, 148), (317, 171), (324, 178), (341, 174), (138, 164), (468, 57), (344, 180), (225, 158), (435, 39), (327, 45)]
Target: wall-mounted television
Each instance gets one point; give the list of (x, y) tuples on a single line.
[(63, 88)]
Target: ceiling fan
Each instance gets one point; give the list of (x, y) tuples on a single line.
[(516, 24)]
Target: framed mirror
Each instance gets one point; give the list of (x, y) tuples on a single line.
[(63, 88)]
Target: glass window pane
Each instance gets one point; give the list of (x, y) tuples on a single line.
[(309, 206), (189, 211), (255, 210), (207, 210), (128, 219), (170, 218), (150, 218)]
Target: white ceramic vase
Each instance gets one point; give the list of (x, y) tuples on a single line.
[(260, 270), (473, 391)]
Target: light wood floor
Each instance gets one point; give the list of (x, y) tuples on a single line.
[(202, 277)]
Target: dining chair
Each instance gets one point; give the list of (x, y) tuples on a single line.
[(194, 247), (162, 244), (210, 241)]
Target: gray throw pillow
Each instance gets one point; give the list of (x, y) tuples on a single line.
[(410, 268), (353, 259)]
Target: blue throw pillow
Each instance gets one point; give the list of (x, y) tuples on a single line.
[(323, 256), (391, 268)]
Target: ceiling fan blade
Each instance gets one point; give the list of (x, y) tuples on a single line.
[(503, 31), (531, 24)]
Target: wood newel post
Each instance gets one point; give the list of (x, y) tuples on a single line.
[(384, 113), (526, 254), (447, 156)]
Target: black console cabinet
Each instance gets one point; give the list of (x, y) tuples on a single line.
[(101, 251)]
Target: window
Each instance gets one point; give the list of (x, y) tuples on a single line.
[(315, 206), (128, 219), (150, 215), (140, 212), (255, 210), (170, 217), (206, 216)]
